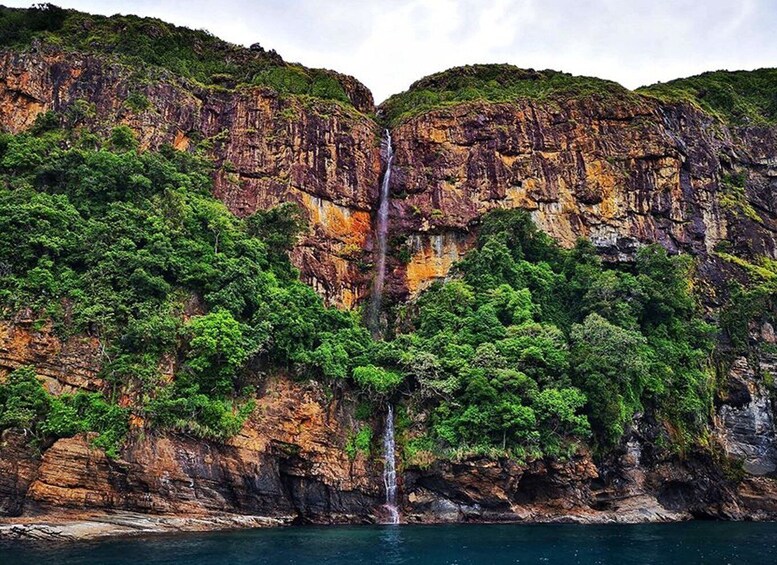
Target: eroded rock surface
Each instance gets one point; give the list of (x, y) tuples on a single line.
[(622, 172), (289, 464)]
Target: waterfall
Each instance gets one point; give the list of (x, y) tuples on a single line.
[(390, 467), (373, 320), (381, 237)]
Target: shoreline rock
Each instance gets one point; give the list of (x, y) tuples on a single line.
[(124, 524), (81, 527)]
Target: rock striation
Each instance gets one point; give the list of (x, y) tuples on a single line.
[(622, 171), (288, 462), (289, 465), (620, 168)]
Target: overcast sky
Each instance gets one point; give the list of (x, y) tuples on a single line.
[(391, 43)]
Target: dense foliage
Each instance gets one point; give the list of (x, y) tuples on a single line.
[(531, 345), (739, 97), (148, 43), (26, 405), (492, 83)]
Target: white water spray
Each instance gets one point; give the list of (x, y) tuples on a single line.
[(390, 468), (382, 237)]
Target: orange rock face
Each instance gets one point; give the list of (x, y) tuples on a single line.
[(288, 461), (623, 173), (64, 366)]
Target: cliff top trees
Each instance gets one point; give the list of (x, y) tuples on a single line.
[(149, 45)]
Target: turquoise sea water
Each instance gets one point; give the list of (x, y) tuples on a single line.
[(685, 543)]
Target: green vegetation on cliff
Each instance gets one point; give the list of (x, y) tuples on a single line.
[(148, 43), (531, 346), (26, 405), (737, 97), (527, 350), (492, 83), (750, 306)]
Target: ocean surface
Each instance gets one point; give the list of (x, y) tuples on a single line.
[(685, 543)]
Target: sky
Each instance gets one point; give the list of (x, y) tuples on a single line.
[(389, 44)]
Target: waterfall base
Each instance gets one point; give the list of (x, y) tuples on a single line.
[(392, 514)]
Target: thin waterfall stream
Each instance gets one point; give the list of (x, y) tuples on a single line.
[(381, 236), (390, 467)]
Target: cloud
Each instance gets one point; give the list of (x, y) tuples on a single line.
[(391, 43)]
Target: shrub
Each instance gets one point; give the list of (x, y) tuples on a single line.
[(25, 404), (376, 380), (360, 442)]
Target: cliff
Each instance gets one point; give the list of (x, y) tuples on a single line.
[(588, 158), (273, 137), (288, 461)]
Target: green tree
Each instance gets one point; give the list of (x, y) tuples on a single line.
[(123, 139), (612, 369), (218, 348), (558, 417), (24, 403), (377, 381)]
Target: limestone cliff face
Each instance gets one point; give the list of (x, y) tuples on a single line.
[(289, 463), (268, 148), (623, 172)]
